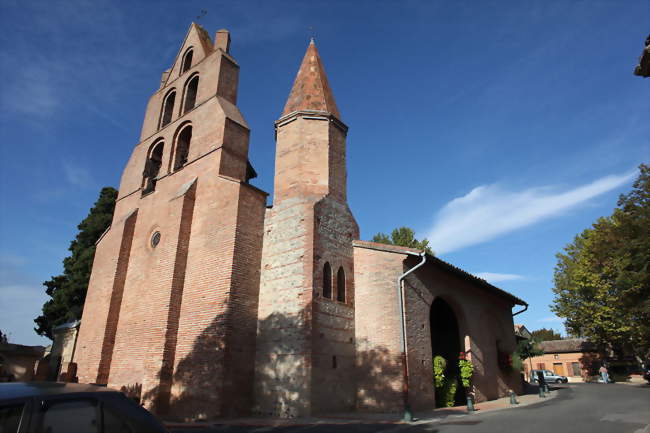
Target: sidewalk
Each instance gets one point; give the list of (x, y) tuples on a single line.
[(436, 415)]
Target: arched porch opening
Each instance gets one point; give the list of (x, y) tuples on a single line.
[(446, 342)]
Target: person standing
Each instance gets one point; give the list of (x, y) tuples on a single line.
[(604, 373)]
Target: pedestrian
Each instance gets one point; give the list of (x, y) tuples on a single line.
[(604, 374)]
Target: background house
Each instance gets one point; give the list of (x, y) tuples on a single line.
[(575, 358), (17, 362)]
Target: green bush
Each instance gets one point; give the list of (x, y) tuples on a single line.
[(450, 392), (466, 371), (445, 386), (439, 366)]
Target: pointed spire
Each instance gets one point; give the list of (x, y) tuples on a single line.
[(310, 90)]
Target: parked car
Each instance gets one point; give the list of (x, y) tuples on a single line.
[(549, 377), (646, 372), (53, 407)]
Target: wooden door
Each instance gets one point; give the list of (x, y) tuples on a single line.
[(558, 368)]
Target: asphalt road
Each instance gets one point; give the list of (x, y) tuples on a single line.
[(578, 408)]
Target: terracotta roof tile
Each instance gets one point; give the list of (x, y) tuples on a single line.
[(568, 345), (311, 90), (442, 264)]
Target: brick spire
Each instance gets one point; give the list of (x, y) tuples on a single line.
[(310, 90)]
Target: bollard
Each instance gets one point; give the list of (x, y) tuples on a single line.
[(541, 391), (470, 404), (546, 390), (513, 397)]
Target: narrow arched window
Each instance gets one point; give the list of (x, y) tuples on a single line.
[(152, 167), (167, 108), (191, 88), (183, 147), (187, 60), (340, 285), (327, 281)]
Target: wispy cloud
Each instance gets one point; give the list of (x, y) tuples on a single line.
[(78, 176), (489, 211), (33, 94), (550, 319), (494, 277)]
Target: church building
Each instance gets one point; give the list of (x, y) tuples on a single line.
[(206, 302)]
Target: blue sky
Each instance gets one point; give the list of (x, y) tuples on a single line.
[(499, 130)]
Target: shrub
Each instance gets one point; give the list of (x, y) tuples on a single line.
[(445, 385), (450, 392), (439, 366), (466, 370)]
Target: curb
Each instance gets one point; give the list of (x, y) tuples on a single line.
[(347, 420)]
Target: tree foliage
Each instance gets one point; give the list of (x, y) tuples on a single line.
[(68, 290), (528, 349), (544, 334), (3, 337), (602, 279), (405, 237)]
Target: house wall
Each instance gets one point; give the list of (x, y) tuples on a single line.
[(19, 361), (63, 348), (550, 361)]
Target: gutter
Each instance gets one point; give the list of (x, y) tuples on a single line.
[(519, 312), (408, 416)]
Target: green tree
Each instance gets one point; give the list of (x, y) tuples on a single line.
[(3, 338), (405, 237), (545, 335), (602, 279), (68, 290), (528, 349)]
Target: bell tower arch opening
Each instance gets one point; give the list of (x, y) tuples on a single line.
[(446, 342)]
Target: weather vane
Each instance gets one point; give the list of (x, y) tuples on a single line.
[(202, 14), (311, 31)]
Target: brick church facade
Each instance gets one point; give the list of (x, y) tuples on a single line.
[(206, 302)]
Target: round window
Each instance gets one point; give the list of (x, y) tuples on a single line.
[(155, 239)]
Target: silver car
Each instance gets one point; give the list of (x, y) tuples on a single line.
[(549, 377)]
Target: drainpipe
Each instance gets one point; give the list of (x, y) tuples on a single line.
[(529, 359), (408, 416)]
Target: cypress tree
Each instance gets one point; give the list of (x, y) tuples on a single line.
[(68, 290)]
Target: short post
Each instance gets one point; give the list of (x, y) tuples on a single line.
[(470, 403), (513, 397), (541, 382), (546, 390)]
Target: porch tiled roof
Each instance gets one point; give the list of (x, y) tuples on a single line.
[(441, 264)]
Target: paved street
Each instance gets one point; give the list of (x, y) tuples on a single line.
[(578, 408)]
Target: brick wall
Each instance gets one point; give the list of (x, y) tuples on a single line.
[(183, 335), (333, 356), (305, 350), (283, 361), (377, 324)]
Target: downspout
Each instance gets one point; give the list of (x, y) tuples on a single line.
[(408, 416), (529, 359)]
